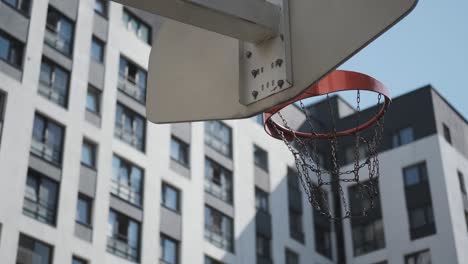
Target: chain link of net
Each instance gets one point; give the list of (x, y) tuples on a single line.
[(311, 174)]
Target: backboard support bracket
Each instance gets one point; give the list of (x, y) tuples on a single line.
[(265, 68)]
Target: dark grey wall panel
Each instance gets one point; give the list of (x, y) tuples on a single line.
[(88, 179), (13, 22), (262, 179), (219, 205), (126, 208), (171, 223), (45, 168), (69, 7), (96, 74), (93, 118), (11, 71), (182, 131), (180, 169), (83, 232), (100, 27), (57, 57), (131, 103), (219, 158)]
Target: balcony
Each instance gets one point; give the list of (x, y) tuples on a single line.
[(218, 238), (221, 192), (26, 256), (53, 39), (52, 92), (39, 210), (119, 246), (46, 151), (125, 192), (218, 145), (128, 136), (129, 86)]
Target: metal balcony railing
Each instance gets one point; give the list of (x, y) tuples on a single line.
[(53, 39), (125, 192), (128, 136), (218, 238), (40, 210), (130, 87), (46, 151), (52, 92), (119, 246), (222, 192), (218, 144)]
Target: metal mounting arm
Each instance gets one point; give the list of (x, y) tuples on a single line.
[(248, 20)]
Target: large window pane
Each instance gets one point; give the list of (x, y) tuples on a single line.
[(40, 198), (219, 137), (127, 181)]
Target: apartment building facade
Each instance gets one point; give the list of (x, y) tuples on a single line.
[(88, 180)]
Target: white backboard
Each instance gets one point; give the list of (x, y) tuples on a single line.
[(194, 74)]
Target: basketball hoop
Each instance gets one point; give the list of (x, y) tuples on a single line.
[(304, 144)]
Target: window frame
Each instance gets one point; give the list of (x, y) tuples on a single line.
[(263, 195), (266, 245), (211, 135), (416, 254), (18, 9), (124, 238), (133, 117), (461, 181), (209, 230), (94, 153), (129, 166), (397, 137), (166, 238), (105, 5), (89, 210), (183, 148), (178, 197), (54, 29), (51, 82), (447, 133), (44, 140), (23, 236), (102, 46), (140, 23), (13, 44), (227, 194), (97, 93), (291, 253), (261, 161)]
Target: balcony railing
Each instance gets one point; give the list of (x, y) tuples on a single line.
[(46, 151), (26, 256), (218, 238), (57, 42), (119, 246), (217, 144), (125, 192), (39, 210), (222, 192), (128, 136), (130, 87), (52, 92)]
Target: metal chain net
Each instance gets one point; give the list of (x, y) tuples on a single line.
[(314, 177)]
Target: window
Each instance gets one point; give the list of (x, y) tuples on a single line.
[(180, 151), (466, 219), (93, 100), (23, 6), (54, 82), (419, 201), (84, 210), (261, 200), (123, 236), (33, 251), (59, 32), (40, 198), (260, 158), (295, 225), (461, 181), (447, 134), (132, 80), (137, 26), (97, 49), (367, 232), (88, 154), (258, 119), (130, 127), (350, 154), (100, 7), (218, 181), (11, 50), (291, 257), (322, 227), (77, 260), (219, 137), (170, 197), (127, 181), (295, 206), (263, 245), (422, 257), (210, 260), (47, 140), (169, 250), (219, 229), (403, 137), (2, 111)]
